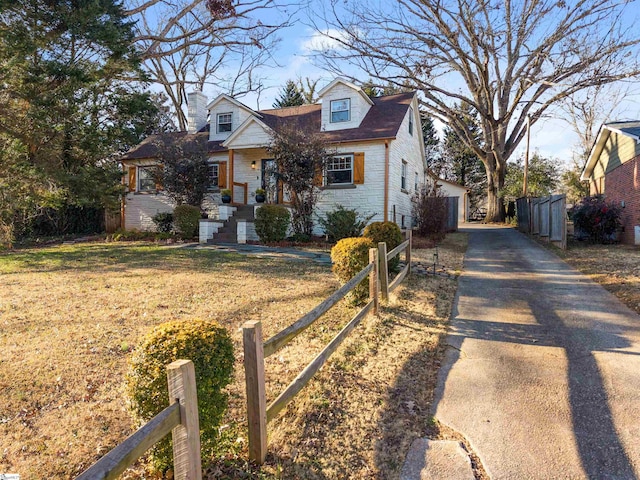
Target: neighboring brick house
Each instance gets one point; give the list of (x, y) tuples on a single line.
[(379, 163), (613, 170)]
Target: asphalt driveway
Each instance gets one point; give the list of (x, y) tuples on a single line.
[(542, 372)]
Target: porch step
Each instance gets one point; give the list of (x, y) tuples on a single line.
[(229, 232)]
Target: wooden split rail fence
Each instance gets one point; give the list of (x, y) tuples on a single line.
[(180, 419), (255, 350)]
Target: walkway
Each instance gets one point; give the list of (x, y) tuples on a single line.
[(262, 251), (542, 373)]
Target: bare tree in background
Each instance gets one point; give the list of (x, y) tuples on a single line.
[(585, 112), (186, 44), (508, 60)]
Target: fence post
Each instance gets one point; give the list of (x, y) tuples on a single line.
[(408, 251), (181, 378), (383, 270), (373, 280), (256, 396)]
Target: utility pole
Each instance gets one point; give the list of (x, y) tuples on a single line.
[(526, 157)]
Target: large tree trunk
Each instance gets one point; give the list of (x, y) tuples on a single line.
[(495, 182)]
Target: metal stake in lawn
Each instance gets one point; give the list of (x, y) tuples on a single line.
[(435, 260)]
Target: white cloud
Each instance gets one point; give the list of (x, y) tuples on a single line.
[(328, 39)]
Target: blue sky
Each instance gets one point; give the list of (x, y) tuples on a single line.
[(551, 136)]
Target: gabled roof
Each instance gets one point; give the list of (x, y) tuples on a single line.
[(240, 130), (238, 104), (629, 129), (437, 179), (381, 122), (347, 84)]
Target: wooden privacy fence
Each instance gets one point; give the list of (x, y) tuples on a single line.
[(544, 216), (180, 418), (255, 350)]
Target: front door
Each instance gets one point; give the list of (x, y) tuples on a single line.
[(269, 182)]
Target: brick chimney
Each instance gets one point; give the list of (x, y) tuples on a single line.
[(197, 111)]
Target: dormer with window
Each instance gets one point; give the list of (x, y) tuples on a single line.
[(344, 105), (226, 114)]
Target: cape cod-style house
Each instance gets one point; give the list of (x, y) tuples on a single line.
[(379, 161)]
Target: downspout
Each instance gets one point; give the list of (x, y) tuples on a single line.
[(230, 183), (386, 181), (124, 198)]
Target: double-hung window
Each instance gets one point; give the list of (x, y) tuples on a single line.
[(214, 172), (415, 182), (403, 176), (340, 110), (340, 170), (147, 179), (223, 122)]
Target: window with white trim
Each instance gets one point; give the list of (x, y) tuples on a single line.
[(147, 179), (403, 176), (415, 182), (214, 171), (411, 121), (223, 122), (340, 170), (340, 110)]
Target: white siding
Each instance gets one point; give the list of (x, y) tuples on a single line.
[(359, 107), (243, 172), (405, 147), (367, 198), (139, 209), (253, 135), (238, 116)]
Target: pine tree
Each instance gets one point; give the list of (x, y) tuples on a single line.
[(463, 165), (432, 148), (290, 96)]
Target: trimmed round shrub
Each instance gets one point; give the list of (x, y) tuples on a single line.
[(187, 220), (163, 221), (597, 218), (388, 232), (272, 223), (208, 345), (349, 256)]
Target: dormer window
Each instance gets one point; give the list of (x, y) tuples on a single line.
[(340, 110), (223, 122)]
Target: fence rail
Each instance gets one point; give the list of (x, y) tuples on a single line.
[(180, 418), (255, 350)]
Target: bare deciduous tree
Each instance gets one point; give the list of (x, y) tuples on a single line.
[(189, 43), (508, 60), (585, 111)]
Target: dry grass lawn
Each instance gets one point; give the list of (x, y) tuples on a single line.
[(615, 267), (70, 316)]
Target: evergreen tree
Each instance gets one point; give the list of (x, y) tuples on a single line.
[(432, 148), (463, 165), (370, 89), (290, 96), (543, 177), (67, 104)]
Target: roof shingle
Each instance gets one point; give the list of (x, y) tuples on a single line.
[(381, 122)]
